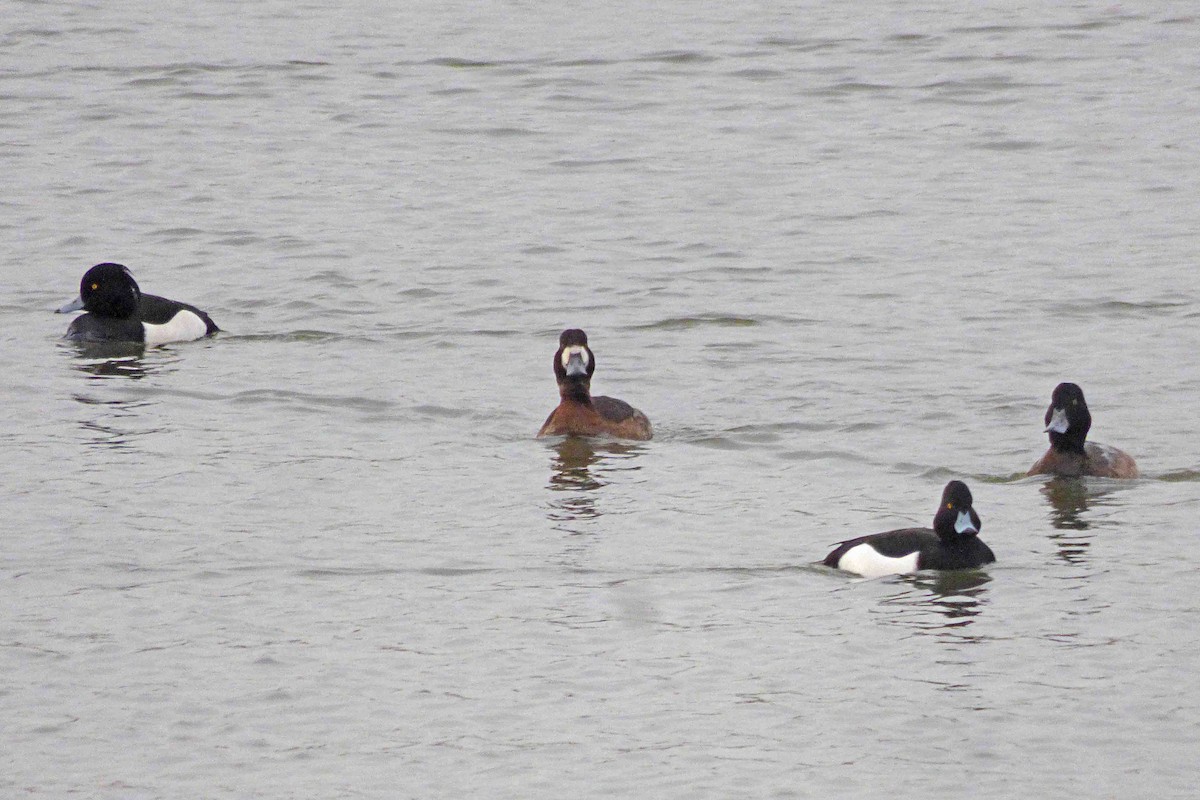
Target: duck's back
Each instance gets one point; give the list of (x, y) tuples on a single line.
[(156, 310), (626, 420), (889, 543), (883, 553), (1105, 461)]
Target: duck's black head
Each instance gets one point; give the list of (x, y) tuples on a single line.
[(108, 290), (956, 518), (1068, 419), (574, 364)]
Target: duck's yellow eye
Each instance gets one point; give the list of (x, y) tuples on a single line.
[(95, 286), (950, 506)]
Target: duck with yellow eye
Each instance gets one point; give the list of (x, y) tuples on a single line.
[(117, 311), (580, 414), (953, 542), (1071, 455)]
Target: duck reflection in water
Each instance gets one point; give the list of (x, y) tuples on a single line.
[(572, 472), (955, 598), (113, 433), (119, 423), (1070, 500), (116, 422), (102, 360), (132, 368), (111, 360)]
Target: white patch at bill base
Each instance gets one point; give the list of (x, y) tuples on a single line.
[(574, 350), (1058, 421)]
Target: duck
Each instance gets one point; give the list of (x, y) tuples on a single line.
[(117, 311), (1071, 455), (952, 544), (579, 413)]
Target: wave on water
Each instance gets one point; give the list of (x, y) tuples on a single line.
[(687, 323), (288, 336), (678, 57), (1179, 476), (1121, 308), (944, 474)]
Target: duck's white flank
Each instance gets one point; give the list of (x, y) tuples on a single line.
[(870, 563), (183, 327)]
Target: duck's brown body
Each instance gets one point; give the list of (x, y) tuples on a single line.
[(1068, 421), (1098, 460), (600, 416), (580, 414)]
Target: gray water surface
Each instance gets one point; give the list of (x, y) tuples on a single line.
[(838, 253)]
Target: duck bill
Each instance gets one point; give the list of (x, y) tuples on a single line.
[(74, 305), (576, 365), (1058, 422), (964, 524)]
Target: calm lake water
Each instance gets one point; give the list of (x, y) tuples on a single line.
[(838, 253)]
